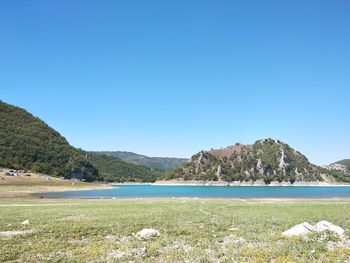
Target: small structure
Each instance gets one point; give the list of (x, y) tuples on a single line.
[(12, 173)]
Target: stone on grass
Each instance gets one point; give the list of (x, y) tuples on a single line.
[(306, 228), (25, 222), (148, 233), (327, 226), (115, 255), (15, 233), (299, 230), (344, 244), (187, 248), (231, 239)]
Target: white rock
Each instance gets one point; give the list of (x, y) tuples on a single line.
[(25, 222), (306, 228), (231, 239), (15, 233), (325, 225), (148, 233), (109, 237), (187, 248), (142, 251), (299, 230), (115, 255)]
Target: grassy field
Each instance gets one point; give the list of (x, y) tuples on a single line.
[(191, 230)]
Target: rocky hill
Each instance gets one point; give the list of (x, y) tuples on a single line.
[(159, 163), (345, 162), (266, 160), (340, 167)]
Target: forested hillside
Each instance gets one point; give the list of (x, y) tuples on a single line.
[(113, 169), (159, 163), (26, 142)]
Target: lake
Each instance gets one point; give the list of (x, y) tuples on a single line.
[(164, 191)]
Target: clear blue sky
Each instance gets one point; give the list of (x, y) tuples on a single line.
[(170, 78)]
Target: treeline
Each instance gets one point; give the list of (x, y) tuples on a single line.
[(158, 163), (113, 169)]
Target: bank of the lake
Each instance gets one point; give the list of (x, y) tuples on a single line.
[(35, 184), (121, 191), (243, 183)]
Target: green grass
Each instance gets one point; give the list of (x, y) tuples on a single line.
[(192, 230)]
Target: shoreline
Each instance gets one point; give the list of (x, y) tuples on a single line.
[(243, 184), (39, 192), (35, 191), (31, 185)]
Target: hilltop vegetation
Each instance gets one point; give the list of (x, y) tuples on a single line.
[(115, 170), (26, 142), (267, 160), (159, 163)]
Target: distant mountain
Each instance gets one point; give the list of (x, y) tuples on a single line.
[(266, 160), (342, 166), (26, 142), (114, 169), (345, 162), (160, 163)]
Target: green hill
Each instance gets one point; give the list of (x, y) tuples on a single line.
[(26, 142), (114, 169), (266, 160), (159, 163)]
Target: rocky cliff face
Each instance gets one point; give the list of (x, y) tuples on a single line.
[(337, 167), (267, 160)]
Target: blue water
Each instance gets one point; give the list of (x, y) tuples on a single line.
[(156, 191)]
